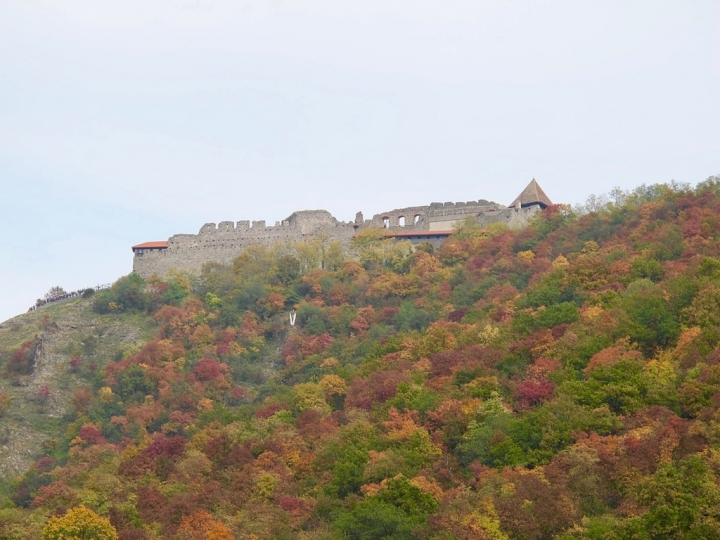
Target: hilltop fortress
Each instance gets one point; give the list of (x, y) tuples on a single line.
[(433, 223)]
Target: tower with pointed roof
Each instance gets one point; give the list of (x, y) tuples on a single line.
[(532, 194)]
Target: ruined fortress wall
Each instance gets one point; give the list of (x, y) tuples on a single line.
[(225, 241), (435, 217), (378, 221), (444, 216), (515, 218)]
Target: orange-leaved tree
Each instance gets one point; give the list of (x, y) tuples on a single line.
[(203, 526)]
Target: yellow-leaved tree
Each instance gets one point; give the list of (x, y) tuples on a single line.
[(79, 523)]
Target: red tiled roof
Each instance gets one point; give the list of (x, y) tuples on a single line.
[(152, 245)]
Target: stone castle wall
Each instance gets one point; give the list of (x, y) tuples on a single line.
[(432, 217), (224, 241), (515, 218)]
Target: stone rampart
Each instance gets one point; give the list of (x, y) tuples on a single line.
[(224, 241), (515, 218), (420, 218), (414, 217)]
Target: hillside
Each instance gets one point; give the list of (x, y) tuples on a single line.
[(53, 336), (560, 381)]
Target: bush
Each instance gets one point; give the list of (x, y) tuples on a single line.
[(5, 402), (565, 313), (127, 294), (22, 361), (87, 293)]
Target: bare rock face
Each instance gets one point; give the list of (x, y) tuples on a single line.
[(60, 333)]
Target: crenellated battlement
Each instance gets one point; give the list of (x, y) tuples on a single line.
[(435, 216), (222, 242)]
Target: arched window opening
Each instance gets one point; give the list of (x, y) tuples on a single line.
[(416, 218), (386, 222), (401, 221)]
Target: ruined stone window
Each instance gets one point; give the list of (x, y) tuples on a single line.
[(416, 218), (386, 222), (401, 221)]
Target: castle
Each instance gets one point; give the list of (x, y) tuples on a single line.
[(433, 223)]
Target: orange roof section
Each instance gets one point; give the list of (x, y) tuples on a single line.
[(152, 245)]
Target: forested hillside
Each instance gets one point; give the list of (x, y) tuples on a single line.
[(561, 381)]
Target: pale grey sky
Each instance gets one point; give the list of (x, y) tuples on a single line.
[(127, 121)]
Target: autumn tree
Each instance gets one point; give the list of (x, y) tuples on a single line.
[(202, 526), (79, 523), (22, 360), (681, 501)]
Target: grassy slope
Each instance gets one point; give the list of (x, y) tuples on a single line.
[(66, 329)]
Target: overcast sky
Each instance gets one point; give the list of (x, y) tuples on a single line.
[(128, 121)]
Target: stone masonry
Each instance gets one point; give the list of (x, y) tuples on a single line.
[(433, 223)]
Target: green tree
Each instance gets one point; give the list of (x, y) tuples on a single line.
[(544, 431), (399, 511), (127, 293), (648, 319), (563, 313), (372, 519), (621, 386), (348, 470), (647, 269), (682, 501), (288, 269)]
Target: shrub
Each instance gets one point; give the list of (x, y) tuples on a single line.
[(22, 361), (87, 293), (5, 402), (127, 293)]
